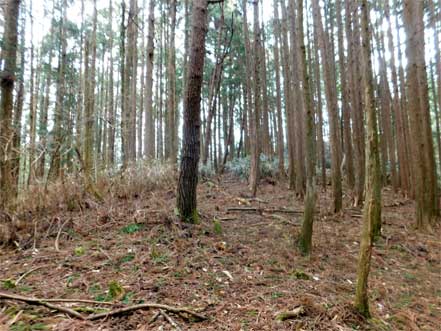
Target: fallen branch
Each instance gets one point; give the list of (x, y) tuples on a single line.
[(123, 310), (263, 210), (41, 302), (27, 273), (286, 315), (72, 313)]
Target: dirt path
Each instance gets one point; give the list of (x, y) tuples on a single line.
[(238, 268)]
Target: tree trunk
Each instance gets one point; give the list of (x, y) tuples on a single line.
[(347, 134), (55, 166), (188, 176), (171, 141), (149, 132), (280, 143), (372, 207), (421, 132), (9, 54), (331, 102), (305, 239), (255, 141)]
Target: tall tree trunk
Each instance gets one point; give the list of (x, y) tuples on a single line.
[(372, 206), (331, 102), (305, 239), (33, 95), (89, 106), (255, 143), (16, 151), (188, 176), (288, 99), (9, 55), (421, 132), (58, 138), (171, 142), (149, 132), (347, 134), (280, 144), (402, 164), (110, 154)]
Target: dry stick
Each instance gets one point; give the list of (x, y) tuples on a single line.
[(123, 310), (263, 210), (170, 320), (155, 317), (58, 235), (70, 312), (15, 319), (27, 273), (41, 302)]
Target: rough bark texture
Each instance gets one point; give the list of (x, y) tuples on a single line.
[(172, 118), (332, 110), (280, 143), (149, 133), (7, 80), (255, 143), (305, 239), (188, 176), (372, 206), (423, 161), (55, 166)]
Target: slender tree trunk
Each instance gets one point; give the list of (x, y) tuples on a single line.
[(9, 54), (89, 106), (280, 143), (347, 134), (372, 207), (171, 143), (287, 92), (149, 132), (402, 164), (305, 239), (110, 154), (188, 176), (332, 111), (16, 150), (33, 96), (255, 143), (55, 167)]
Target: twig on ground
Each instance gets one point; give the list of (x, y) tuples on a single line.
[(41, 302), (58, 235), (123, 310), (15, 319), (263, 210), (170, 320), (154, 318), (27, 273)]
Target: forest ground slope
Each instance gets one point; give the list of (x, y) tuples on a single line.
[(239, 267)]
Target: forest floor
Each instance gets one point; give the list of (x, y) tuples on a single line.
[(238, 268)]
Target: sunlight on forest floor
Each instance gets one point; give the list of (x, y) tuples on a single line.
[(239, 268)]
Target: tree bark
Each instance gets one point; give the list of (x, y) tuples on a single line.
[(9, 54), (149, 131), (421, 132), (332, 111), (372, 207), (188, 176), (305, 239)]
